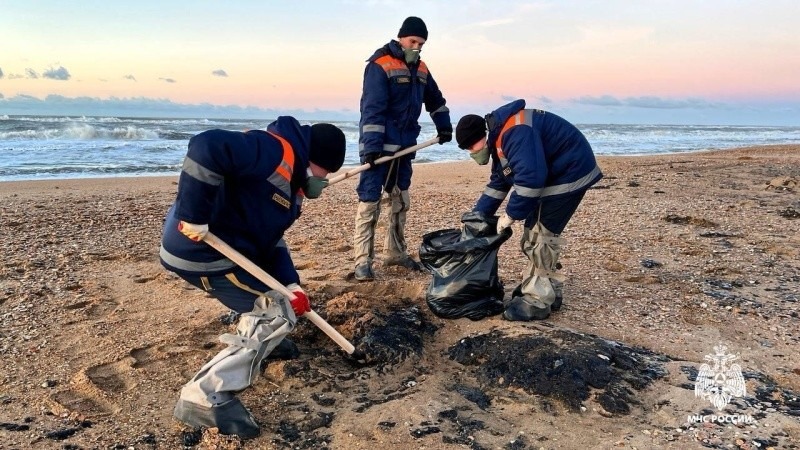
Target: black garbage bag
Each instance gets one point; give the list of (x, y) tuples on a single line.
[(464, 268)]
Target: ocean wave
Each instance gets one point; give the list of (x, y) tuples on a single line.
[(88, 132)]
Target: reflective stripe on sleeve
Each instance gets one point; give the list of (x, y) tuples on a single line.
[(200, 173), (495, 193), (373, 129), (528, 192)]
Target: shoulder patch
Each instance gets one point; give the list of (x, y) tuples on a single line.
[(281, 201)]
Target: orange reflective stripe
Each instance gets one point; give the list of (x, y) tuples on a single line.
[(516, 119), (284, 169), (389, 62), (422, 67)]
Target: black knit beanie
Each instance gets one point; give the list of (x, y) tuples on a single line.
[(413, 26), (327, 146), (470, 129)]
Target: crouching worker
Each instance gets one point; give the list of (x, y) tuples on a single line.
[(548, 165), (247, 188)]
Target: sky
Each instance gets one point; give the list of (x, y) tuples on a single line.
[(724, 62)]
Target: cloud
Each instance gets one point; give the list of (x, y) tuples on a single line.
[(156, 107), (30, 73), (14, 76), (1, 95), (219, 73), (168, 80), (129, 77), (1, 73), (543, 99), (605, 100), (60, 74), (650, 102)]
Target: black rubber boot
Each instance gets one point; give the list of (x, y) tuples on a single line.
[(230, 416), (525, 309), (556, 306), (364, 272), (286, 350), (406, 261)]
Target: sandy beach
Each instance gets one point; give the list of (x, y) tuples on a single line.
[(666, 258)]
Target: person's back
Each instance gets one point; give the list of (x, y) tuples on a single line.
[(569, 155)]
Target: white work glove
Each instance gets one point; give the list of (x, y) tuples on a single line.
[(193, 231), (504, 222)]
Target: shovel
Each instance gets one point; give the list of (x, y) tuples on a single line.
[(222, 247), (381, 160)]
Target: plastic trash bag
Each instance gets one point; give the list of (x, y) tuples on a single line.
[(464, 267)]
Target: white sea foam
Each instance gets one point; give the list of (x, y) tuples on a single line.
[(33, 147)]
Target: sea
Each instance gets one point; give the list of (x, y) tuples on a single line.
[(51, 147)]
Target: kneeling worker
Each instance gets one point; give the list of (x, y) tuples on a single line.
[(247, 188)]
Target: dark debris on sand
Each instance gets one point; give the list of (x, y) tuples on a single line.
[(566, 366)]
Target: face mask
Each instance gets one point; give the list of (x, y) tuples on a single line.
[(411, 54), (481, 156), (314, 185)]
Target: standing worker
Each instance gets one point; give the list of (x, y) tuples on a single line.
[(396, 85), (548, 165), (247, 188)]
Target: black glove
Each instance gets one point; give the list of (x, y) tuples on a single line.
[(370, 158), (444, 135)]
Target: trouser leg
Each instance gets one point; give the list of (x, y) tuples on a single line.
[(364, 240), (208, 399), (395, 245), (543, 249), (536, 295)]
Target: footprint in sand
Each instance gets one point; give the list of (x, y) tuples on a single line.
[(91, 389)]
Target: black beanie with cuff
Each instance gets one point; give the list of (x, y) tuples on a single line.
[(413, 26), (327, 146), (470, 129)]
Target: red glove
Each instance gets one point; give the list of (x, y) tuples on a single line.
[(300, 304)]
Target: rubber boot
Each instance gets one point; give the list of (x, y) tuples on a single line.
[(395, 250), (208, 399), (537, 293), (364, 239)]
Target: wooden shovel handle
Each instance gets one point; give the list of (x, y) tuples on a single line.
[(381, 160)]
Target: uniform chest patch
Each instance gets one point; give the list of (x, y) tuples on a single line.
[(508, 172), (403, 80), (280, 200)]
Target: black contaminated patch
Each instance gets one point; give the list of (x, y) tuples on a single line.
[(566, 366), (392, 338)]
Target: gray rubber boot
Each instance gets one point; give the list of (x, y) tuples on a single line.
[(395, 250), (538, 293), (208, 398), (364, 239)]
